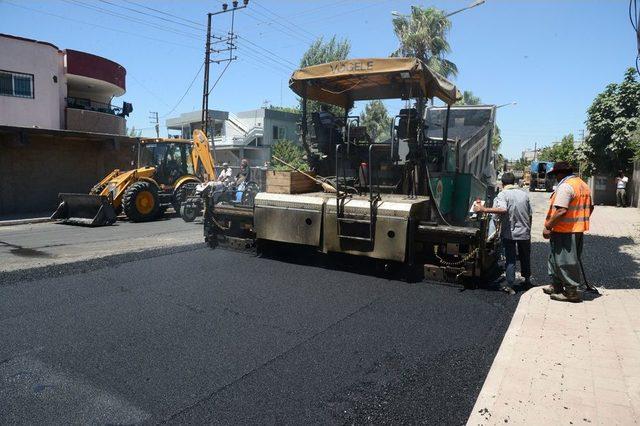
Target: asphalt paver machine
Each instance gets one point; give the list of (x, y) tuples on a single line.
[(404, 202)]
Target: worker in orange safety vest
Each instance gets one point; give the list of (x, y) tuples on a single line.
[(567, 220)]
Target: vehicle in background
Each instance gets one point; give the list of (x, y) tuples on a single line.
[(539, 176), (167, 173)]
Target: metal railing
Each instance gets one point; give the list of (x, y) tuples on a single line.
[(89, 105)]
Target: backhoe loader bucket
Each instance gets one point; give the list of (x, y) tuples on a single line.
[(85, 209)]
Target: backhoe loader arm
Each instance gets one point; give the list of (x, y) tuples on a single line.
[(201, 155)]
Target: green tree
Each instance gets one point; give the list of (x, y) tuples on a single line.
[(423, 35), (468, 98), (612, 121), (563, 150), (496, 138), (321, 52), (377, 121), (290, 153), (521, 164), (292, 109)]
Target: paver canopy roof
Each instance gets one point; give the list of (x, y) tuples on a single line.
[(342, 82)]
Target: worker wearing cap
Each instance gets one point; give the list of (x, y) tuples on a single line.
[(567, 219), (513, 207)]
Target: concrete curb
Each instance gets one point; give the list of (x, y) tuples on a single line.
[(25, 221)]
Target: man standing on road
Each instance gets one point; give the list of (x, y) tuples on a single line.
[(621, 189), (570, 208), (514, 208)]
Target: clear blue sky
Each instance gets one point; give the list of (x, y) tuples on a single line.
[(551, 57)]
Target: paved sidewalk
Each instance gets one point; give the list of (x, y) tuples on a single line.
[(566, 363), (562, 363)]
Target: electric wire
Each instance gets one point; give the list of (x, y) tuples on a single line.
[(634, 17), (167, 14), (289, 23), (94, 25), (132, 19), (185, 92), (153, 16)]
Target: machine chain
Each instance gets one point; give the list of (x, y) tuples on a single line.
[(458, 263)]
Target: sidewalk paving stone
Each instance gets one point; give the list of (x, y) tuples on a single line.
[(563, 363)]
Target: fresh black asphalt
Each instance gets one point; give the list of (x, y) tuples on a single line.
[(213, 336)]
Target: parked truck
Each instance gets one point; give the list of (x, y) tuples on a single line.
[(539, 178)]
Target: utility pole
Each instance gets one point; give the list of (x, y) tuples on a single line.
[(535, 151), (156, 121), (207, 56)]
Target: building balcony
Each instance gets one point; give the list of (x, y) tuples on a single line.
[(95, 75), (90, 116)]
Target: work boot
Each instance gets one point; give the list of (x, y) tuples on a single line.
[(570, 294), (552, 289)]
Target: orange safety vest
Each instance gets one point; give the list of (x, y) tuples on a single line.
[(576, 219)]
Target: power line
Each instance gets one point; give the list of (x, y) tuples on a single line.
[(131, 19), (94, 25), (286, 29), (185, 92), (291, 24), (268, 51), (148, 14), (274, 63), (167, 14)]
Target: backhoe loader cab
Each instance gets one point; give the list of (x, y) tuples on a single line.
[(168, 170)]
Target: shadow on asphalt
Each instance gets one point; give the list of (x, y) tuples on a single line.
[(606, 264)]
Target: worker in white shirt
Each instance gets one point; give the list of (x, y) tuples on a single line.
[(621, 189), (226, 174)]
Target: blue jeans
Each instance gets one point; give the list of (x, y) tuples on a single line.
[(523, 253)]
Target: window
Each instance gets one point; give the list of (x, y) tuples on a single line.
[(16, 84), (279, 133)]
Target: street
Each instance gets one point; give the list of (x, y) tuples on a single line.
[(215, 336), (45, 244)]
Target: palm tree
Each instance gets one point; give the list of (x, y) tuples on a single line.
[(423, 35)]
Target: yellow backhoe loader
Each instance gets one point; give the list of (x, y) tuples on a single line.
[(168, 169)]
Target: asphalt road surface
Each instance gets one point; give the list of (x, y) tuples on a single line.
[(35, 245), (185, 334), (224, 337)]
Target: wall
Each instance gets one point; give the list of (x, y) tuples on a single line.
[(96, 122), (603, 190), (36, 167), (44, 61)]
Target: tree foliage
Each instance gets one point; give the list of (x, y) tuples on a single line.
[(377, 121), (468, 98), (612, 123), (292, 109), (289, 152), (321, 52), (563, 150), (521, 164), (423, 35)]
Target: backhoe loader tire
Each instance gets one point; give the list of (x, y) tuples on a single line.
[(140, 202)]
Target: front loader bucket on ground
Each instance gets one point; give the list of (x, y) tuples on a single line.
[(85, 209)]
